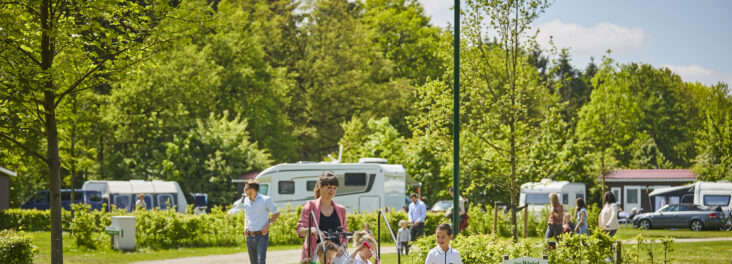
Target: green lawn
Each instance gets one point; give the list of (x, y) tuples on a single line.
[(695, 252), (73, 254), (629, 232)]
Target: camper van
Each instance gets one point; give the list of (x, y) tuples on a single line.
[(369, 185), (536, 194), (700, 193), (123, 194)]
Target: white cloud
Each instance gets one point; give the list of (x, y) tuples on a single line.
[(439, 10), (593, 41), (690, 72)]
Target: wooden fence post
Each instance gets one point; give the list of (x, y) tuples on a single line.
[(495, 218), (618, 252), (526, 221)]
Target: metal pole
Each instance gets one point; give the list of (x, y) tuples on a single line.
[(378, 234), (456, 122)]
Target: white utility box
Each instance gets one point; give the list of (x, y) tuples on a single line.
[(123, 232)]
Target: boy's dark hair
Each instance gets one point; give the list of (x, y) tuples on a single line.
[(328, 178), (413, 195), (609, 197), (445, 227), (253, 184)]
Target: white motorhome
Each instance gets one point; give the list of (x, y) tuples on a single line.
[(368, 185), (700, 193), (536, 194), (123, 194)]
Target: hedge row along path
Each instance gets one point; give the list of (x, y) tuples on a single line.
[(278, 256), (287, 256)]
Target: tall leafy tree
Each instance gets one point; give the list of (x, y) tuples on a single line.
[(53, 49), (714, 136)]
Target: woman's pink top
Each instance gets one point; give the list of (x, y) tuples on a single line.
[(314, 206), (557, 216)]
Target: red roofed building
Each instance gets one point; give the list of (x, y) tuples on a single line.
[(631, 187), (241, 182)]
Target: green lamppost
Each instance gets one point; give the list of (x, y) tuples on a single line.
[(456, 122)]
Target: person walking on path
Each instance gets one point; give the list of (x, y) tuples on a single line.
[(581, 215), (329, 215), (556, 214), (462, 214), (608, 219), (417, 214), (257, 209)]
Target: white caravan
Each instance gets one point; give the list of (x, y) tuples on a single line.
[(701, 193), (536, 194), (368, 185), (123, 194)]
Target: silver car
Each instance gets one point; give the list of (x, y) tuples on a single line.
[(692, 216)]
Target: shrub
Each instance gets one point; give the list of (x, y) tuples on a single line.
[(593, 248), (16, 248), (478, 248), (31, 220)]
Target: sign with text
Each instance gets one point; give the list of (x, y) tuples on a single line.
[(526, 260)]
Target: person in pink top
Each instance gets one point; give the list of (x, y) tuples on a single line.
[(329, 215), (556, 214)]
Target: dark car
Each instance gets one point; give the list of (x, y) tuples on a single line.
[(41, 201), (693, 216)]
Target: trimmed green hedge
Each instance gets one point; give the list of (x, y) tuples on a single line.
[(16, 247), (31, 220)]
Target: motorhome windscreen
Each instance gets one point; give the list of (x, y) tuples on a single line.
[(714, 200), (537, 198), (263, 188), (165, 201)]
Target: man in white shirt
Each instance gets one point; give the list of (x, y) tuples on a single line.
[(257, 209), (417, 215)]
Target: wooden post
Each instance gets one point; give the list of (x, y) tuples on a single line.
[(618, 252), (526, 222), (495, 218)]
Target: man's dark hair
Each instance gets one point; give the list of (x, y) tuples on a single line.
[(445, 227), (609, 197), (253, 184), (413, 195)]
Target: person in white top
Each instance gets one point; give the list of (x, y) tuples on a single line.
[(608, 219), (443, 253)]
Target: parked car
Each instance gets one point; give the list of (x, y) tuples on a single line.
[(441, 206), (41, 200), (695, 217)]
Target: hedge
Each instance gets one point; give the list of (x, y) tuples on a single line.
[(16, 247), (31, 220)]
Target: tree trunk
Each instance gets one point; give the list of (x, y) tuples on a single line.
[(514, 223), (52, 155)]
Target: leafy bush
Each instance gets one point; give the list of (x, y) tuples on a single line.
[(478, 248), (31, 220), (16, 247), (593, 248)]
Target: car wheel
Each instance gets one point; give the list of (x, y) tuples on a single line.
[(697, 225), (727, 224), (645, 224)]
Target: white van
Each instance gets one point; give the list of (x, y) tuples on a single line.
[(536, 194), (123, 194), (700, 193), (368, 185)]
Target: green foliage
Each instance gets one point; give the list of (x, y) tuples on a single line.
[(16, 247), (476, 249), (31, 220), (593, 248), (207, 157)]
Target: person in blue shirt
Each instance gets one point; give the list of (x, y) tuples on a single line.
[(417, 214), (257, 209)]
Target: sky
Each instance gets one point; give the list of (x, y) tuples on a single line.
[(693, 38)]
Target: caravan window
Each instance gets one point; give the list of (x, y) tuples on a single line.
[(355, 179), (263, 188), (310, 185), (164, 200), (579, 195), (286, 187), (122, 201), (713, 200), (565, 198), (537, 198)]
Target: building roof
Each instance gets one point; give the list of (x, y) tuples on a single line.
[(8, 172), (246, 176), (651, 175)]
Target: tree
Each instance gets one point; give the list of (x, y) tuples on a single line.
[(53, 49), (607, 123), (508, 104), (207, 157), (713, 140)]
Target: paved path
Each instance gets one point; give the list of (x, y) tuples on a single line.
[(278, 257), (291, 256)]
